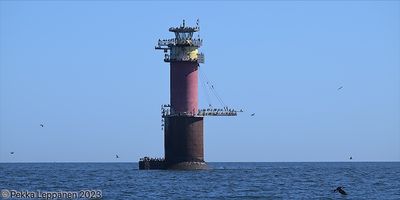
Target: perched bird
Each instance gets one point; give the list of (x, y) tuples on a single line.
[(340, 190), (41, 125), (12, 152), (340, 88), (116, 156), (253, 114)]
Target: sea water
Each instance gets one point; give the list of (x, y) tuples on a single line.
[(297, 180)]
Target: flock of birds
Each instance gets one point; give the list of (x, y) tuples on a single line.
[(339, 189)]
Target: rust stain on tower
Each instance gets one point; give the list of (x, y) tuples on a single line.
[(182, 120)]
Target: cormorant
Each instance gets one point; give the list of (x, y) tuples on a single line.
[(116, 156), (340, 190), (41, 125), (340, 88), (12, 152), (351, 158), (253, 114)]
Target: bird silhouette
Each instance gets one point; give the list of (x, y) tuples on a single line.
[(116, 156), (351, 158), (340, 190), (41, 125), (12, 152), (340, 88), (253, 114)]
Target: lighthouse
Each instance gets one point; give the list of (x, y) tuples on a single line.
[(182, 121)]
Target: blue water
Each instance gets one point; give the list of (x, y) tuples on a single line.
[(224, 181)]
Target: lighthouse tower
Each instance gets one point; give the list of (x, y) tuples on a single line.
[(182, 119), (183, 127)]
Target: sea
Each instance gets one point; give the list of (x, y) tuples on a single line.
[(242, 180)]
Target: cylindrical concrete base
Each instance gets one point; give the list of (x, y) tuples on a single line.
[(183, 142)]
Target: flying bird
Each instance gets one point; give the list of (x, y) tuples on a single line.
[(12, 152), (340, 88), (340, 190), (253, 114), (41, 125), (116, 156), (351, 158)]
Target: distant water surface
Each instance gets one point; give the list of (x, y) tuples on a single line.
[(372, 180)]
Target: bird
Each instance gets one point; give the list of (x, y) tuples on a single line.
[(340, 88), (41, 125), (340, 190), (253, 114), (116, 156), (12, 152), (351, 158)]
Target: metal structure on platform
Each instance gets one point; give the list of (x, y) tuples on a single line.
[(182, 120)]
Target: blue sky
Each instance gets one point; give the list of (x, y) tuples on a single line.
[(88, 71)]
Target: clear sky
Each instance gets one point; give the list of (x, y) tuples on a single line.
[(89, 72)]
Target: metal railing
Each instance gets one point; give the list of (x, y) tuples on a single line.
[(217, 112), (174, 41), (167, 111)]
